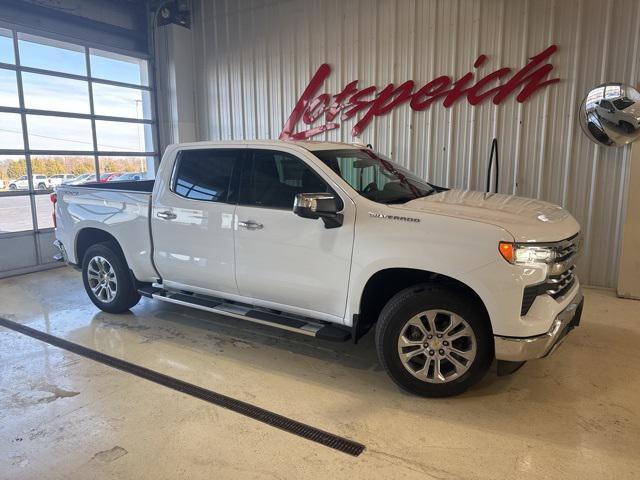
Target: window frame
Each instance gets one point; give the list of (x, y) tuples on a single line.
[(27, 152), (246, 170), (234, 179)]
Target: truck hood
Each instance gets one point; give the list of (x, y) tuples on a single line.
[(633, 109), (528, 220)]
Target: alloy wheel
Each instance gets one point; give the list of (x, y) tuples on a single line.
[(102, 279), (437, 346)]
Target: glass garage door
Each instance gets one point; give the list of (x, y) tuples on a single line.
[(68, 114)]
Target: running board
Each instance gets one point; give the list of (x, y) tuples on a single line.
[(312, 328)]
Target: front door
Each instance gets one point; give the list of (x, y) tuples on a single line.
[(192, 221), (282, 258)]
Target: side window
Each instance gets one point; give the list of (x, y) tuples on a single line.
[(205, 174), (605, 104), (272, 179)]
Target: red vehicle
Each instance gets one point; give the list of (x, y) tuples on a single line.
[(107, 177)]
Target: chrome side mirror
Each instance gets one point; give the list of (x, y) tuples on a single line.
[(318, 205), (610, 114)]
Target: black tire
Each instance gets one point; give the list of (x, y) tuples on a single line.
[(126, 294), (412, 301), (13, 186), (42, 186), (627, 127)]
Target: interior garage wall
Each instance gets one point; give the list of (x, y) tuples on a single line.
[(252, 59)]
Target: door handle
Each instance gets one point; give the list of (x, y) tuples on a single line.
[(250, 225), (167, 215)]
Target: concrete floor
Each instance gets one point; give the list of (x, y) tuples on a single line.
[(574, 415)]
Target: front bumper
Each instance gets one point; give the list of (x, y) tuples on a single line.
[(515, 349)]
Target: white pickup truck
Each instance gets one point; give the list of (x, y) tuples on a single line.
[(330, 240)]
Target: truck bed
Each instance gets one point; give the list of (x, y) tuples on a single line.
[(120, 209)]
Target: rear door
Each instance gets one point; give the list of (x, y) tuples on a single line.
[(607, 111), (192, 221), (284, 259)]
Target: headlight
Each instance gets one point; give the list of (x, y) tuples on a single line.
[(526, 254)]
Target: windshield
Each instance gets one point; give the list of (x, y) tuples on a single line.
[(623, 103), (374, 176)]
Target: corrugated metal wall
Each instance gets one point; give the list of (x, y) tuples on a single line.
[(253, 59)]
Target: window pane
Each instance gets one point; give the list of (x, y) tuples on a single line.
[(61, 169), (50, 54), (13, 167), (46, 92), (44, 211), (612, 91), (126, 169), (7, 54), (121, 102), (205, 174), (11, 131), (59, 133), (15, 214), (8, 88), (275, 178), (123, 136), (120, 68)]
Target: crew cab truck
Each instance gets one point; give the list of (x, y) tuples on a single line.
[(330, 240)]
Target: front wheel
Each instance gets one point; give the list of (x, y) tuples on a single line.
[(627, 127), (434, 341), (107, 280)]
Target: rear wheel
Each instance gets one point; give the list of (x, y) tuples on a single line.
[(434, 342), (107, 279), (627, 127)]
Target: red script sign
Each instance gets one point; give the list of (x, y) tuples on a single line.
[(312, 107)]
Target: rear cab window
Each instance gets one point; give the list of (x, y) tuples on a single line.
[(206, 174)]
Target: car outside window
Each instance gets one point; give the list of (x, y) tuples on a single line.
[(205, 174)]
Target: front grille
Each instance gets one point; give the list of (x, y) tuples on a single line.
[(561, 277), (568, 249), (557, 285)]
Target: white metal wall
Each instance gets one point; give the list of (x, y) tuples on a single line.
[(253, 58)]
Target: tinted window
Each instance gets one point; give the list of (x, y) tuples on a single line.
[(273, 179), (205, 174)]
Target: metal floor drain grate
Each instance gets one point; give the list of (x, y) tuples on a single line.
[(265, 416)]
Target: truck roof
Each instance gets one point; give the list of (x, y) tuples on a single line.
[(306, 144)]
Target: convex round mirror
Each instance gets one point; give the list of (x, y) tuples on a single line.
[(610, 114)]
